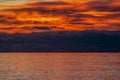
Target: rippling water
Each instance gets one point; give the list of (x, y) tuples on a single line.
[(60, 66)]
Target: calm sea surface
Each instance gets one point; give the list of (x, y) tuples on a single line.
[(59, 66)]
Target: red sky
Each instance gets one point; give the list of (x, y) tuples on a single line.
[(54, 15)]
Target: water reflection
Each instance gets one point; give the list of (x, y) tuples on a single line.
[(60, 66)]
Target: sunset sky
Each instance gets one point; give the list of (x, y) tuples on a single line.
[(26, 16)]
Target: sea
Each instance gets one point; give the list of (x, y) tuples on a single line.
[(60, 66)]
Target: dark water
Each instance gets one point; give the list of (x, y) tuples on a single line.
[(60, 66)]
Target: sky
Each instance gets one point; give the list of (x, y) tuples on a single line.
[(26, 16)]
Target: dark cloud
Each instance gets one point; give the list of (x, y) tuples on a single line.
[(62, 41), (7, 28), (51, 3), (116, 25), (41, 27), (3, 21), (7, 17), (106, 8)]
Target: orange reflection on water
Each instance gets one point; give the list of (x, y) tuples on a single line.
[(60, 66)]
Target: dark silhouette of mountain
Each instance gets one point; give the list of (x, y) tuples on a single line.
[(68, 41)]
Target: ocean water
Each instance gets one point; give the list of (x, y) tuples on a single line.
[(59, 66)]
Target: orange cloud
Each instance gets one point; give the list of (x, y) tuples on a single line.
[(40, 16)]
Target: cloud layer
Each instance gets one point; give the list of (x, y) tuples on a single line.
[(62, 41), (58, 15)]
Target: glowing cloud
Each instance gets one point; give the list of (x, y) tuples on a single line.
[(65, 15), (13, 2)]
